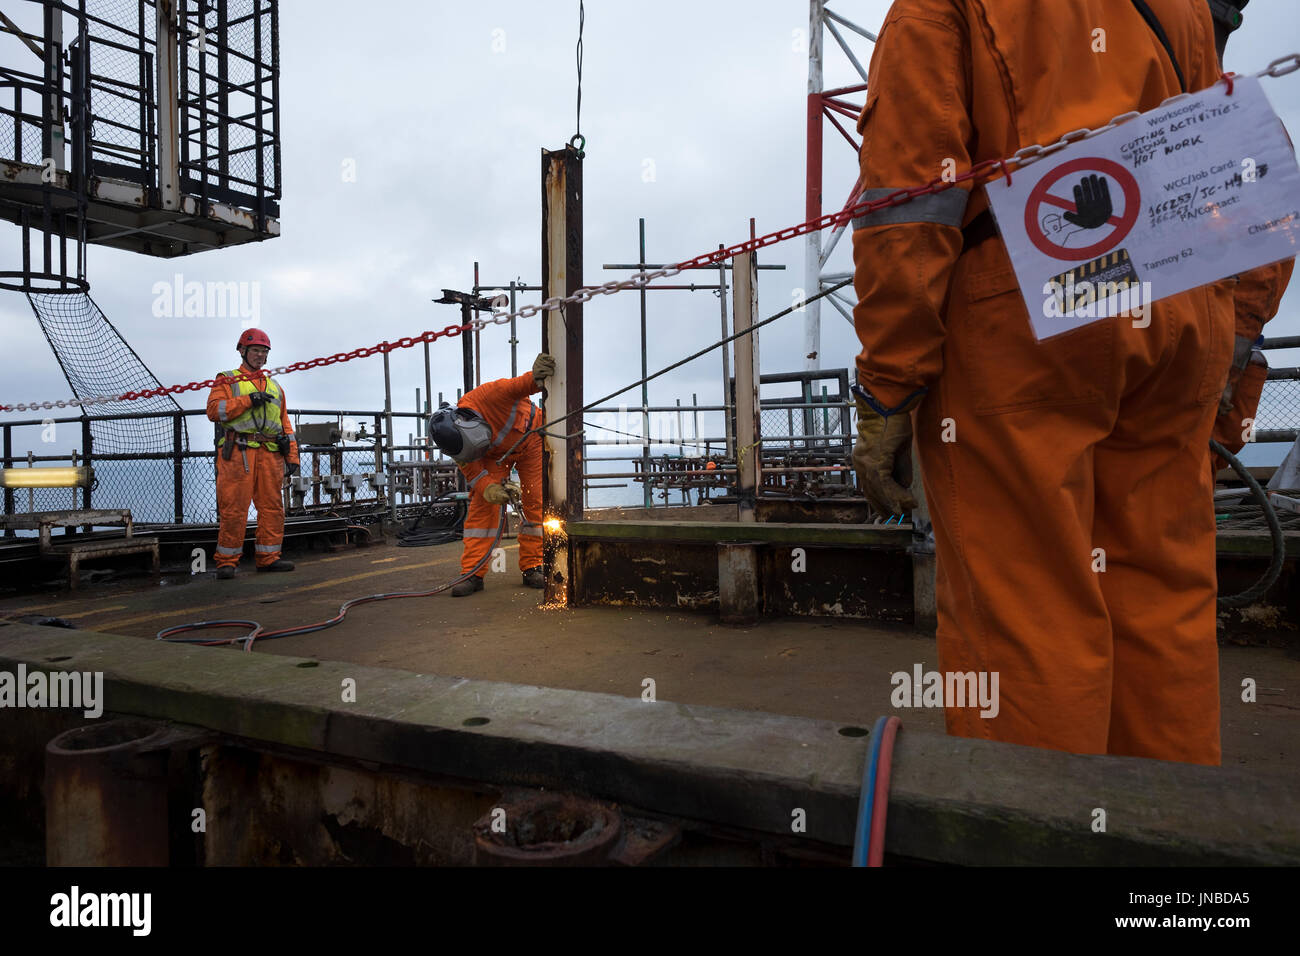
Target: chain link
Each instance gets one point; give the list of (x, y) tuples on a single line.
[(978, 174), (1275, 68)]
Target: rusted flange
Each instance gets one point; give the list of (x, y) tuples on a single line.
[(106, 793), (549, 829)]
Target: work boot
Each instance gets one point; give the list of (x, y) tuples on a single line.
[(279, 564), (534, 578), (467, 587), (225, 573)]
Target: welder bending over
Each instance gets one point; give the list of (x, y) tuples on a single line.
[(487, 422)]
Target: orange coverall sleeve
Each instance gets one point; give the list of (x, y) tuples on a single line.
[(292, 456), (1258, 296), (494, 401), (473, 470), (513, 389), (235, 405), (915, 126)]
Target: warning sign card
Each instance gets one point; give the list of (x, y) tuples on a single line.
[(1187, 194)]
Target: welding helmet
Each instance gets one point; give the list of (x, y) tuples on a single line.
[(459, 432), (1227, 13)]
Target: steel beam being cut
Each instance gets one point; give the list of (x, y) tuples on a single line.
[(561, 338), (748, 426)]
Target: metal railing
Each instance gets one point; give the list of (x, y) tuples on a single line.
[(178, 486), (804, 444)]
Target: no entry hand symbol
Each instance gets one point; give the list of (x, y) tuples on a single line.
[(1092, 208)]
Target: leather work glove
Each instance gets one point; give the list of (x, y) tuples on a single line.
[(293, 469), (543, 367), (259, 398), (882, 458), (495, 494)]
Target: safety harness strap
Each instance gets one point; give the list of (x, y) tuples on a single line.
[(1153, 22)]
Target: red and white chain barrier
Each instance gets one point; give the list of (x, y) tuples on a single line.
[(980, 172)]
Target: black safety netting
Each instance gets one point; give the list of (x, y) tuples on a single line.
[(97, 361)]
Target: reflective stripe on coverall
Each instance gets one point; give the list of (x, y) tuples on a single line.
[(1094, 439), (251, 475), (504, 405)]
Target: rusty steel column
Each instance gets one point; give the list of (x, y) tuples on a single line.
[(106, 795), (745, 311), (562, 338)]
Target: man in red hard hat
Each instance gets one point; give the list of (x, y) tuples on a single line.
[(255, 448)]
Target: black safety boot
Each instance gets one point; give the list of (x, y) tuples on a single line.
[(225, 573), (279, 564), (534, 578), (467, 587)]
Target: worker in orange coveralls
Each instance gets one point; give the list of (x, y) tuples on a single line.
[(488, 422), (255, 448), (1067, 479), (1256, 297)]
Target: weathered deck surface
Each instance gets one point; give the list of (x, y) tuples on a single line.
[(831, 670)]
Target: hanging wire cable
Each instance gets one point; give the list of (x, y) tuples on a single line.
[(1261, 587), (642, 438), (578, 141)]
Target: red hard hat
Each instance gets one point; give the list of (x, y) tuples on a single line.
[(253, 337)]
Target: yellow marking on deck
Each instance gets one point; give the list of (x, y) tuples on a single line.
[(98, 610), (333, 582), (382, 560), (38, 607)]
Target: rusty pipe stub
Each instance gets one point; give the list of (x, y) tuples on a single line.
[(740, 602), (548, 829), (106, 795)]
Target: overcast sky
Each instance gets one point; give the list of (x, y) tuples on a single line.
[(443, 108)]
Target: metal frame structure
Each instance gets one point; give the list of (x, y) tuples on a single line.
[(158, 127), (51, 198), (824, 104), (228, 103)]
